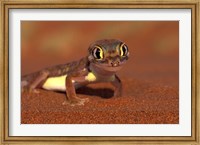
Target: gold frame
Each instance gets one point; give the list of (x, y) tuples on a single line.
[(172, 4)]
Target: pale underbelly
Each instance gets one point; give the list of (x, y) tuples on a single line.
[(55, 83), (58, 84)]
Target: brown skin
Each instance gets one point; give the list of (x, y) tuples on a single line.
[(105, 58)]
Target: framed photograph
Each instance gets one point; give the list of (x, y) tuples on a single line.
[(104, 72)]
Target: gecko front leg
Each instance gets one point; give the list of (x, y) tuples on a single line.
[(71, 97), (118, 86)]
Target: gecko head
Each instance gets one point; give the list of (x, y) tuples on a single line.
[(108, 54)]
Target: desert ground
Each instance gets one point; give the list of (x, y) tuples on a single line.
[(150, 78)]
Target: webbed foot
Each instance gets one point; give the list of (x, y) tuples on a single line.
[(76, 101), (34, 91), (31, 90)]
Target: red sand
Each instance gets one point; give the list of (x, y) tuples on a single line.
[(141, 103)]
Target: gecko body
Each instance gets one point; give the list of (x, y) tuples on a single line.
[(105, 57)]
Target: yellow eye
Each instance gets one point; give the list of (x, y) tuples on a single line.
[(98, 52), (123, 50)]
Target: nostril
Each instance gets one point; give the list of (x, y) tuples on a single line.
[(116, 63)]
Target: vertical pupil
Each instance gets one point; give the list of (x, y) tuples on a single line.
[(98, 53), (124, 50)]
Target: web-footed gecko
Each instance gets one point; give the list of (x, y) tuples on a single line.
[(105, 57)]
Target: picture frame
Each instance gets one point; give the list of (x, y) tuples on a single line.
[(193, 5)]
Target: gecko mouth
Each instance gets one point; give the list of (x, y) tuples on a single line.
[(109, 68), (112, 68)]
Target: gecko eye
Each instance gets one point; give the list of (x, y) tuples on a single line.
[(98, 52), (123, 50)]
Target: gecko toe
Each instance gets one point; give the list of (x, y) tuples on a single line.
[(85, 99), (65, 103), (76, 102), (36, 91)]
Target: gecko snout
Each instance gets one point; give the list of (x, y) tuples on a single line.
[(115, 63)]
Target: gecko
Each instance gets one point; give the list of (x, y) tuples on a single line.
[(105, 57)]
